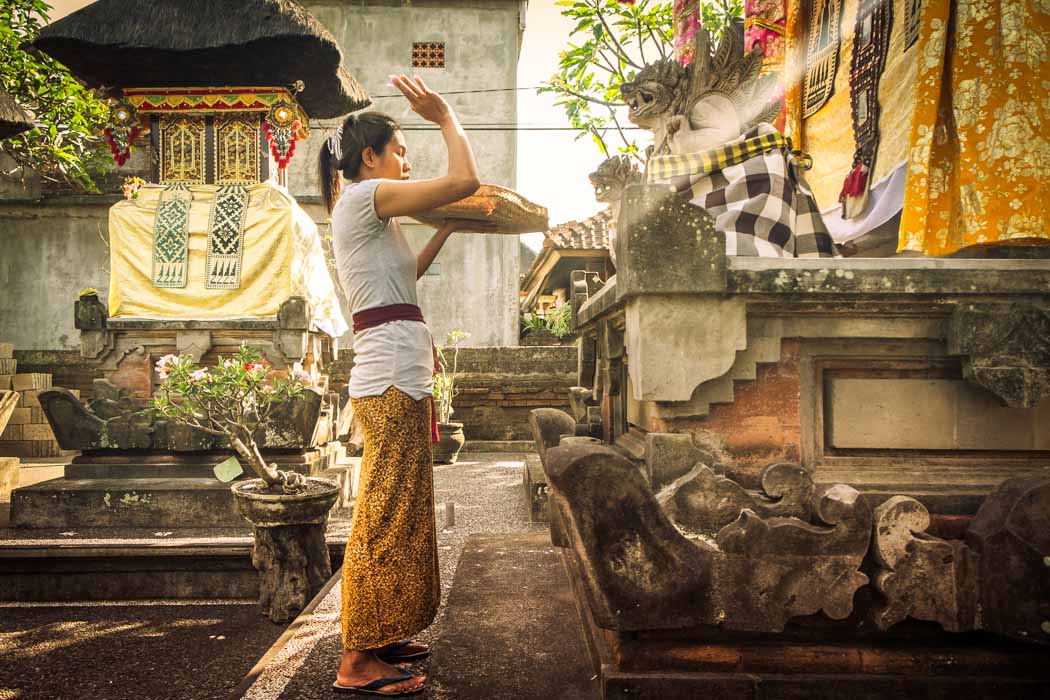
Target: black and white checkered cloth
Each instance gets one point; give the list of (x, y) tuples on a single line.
[(755, 191)]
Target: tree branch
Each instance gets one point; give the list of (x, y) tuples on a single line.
[(623, 137), (615, 42), (641, 41), (592, 99), (659, 44)]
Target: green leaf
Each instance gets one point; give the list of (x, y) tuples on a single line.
[(228, 470)]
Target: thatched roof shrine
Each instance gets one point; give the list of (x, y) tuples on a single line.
[(13, 119), (197, 43)]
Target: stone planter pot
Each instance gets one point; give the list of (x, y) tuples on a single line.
[(290, 552), (446, 450)]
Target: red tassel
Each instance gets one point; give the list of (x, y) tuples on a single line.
[(855, 182), (435, 434), (119, 156)]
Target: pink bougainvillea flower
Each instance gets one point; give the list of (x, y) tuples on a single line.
[(199, 375), (303, 376)]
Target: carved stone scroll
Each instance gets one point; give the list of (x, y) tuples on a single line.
[(709, 502), (548, 426), (1011, 534), (997, 580), (921, 577)]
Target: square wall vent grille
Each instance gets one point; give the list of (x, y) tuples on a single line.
[(428, 54)]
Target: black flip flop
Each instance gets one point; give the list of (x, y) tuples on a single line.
[(373, 688), (390, 657)]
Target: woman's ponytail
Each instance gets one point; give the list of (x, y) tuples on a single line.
[(329, 164), (344, 149)]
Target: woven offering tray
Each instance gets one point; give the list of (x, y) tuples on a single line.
[(492, 205)]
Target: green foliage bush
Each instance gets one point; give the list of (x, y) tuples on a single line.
[(67, 146)]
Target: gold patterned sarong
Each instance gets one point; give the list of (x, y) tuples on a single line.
[(980, 136), (391, 586)]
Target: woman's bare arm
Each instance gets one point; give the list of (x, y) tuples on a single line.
[(433, 246), (404, 198)]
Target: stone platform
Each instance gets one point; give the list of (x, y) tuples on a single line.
[(801, 665)]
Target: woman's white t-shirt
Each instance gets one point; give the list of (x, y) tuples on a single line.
[(378, 268)]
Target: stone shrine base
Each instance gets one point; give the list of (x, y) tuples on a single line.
[(807, 664)]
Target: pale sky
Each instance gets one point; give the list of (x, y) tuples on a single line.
[(552, 167)]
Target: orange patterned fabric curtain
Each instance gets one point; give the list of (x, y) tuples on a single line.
[(979, 160)]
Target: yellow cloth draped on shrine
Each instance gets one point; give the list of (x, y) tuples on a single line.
[(282, 257), (980, 147), (828, 135)]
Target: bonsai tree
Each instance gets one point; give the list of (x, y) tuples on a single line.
[(232, 400), (445, 380)]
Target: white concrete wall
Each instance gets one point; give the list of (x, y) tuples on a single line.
[(475, 287), (48, 254)]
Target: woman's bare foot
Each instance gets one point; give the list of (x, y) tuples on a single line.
[(358, 668)]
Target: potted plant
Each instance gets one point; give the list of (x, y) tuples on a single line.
[(236, 400), (446, 449), (552, 329)]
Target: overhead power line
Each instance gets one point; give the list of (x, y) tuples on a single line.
[(505, 127), (467, 92)]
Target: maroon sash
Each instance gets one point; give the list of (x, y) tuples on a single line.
[(370, 318)]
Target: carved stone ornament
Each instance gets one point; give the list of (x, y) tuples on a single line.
[(641, 573), (922, 577), (1007, 349), (548, 426), (706, 502), (997, 580)]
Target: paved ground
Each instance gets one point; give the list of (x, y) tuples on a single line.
[(125, 652), (509, 629)]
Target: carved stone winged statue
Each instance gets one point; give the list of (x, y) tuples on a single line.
[(609, 181), (714, 146), (714, 100)]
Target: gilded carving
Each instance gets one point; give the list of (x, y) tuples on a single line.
[(237, 149), (182, 149)]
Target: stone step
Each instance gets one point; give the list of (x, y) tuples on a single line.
[(498, 446), (93, 466), (133, 569), (142, 502), (535, 483), (511, 629)]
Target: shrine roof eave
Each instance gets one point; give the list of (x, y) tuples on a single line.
[(13, 119), (200, 43)]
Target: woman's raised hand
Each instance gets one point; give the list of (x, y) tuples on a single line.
[(423, 101)]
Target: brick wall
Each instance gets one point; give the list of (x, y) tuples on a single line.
[(66, 367), (499, 386)]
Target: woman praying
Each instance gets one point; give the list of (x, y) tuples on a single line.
[(390, 574)]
